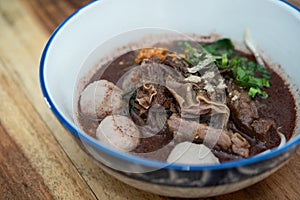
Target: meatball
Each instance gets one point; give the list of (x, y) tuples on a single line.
[(101, 98), (118, 132), (192, 154)]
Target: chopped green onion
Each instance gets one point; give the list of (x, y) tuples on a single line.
[(256, 91), (224, 60), (253, 91), (245, 72)]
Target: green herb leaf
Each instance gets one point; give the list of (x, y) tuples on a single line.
[(244, 79), (220, 47), (245, 72), (224, 60), (253, 91), (188, 61), (256, 91), (193, 55), (263, 71)]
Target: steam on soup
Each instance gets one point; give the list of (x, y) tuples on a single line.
[(189, 103)]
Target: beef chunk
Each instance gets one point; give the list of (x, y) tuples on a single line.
[(243, 110), (244, 113), (262, 127)]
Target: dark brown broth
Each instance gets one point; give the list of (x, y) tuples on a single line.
[(280, 107)]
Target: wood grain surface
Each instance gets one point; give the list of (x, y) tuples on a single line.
[(39, 159)]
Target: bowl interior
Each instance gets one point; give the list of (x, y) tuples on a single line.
[(274, 26)]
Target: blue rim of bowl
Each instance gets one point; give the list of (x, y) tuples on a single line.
[(134, 159), (291, 5)]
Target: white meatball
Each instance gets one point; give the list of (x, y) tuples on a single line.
[(118, 132), (192, 154), (101, 98)]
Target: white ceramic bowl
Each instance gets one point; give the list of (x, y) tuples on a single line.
[(274, 26)]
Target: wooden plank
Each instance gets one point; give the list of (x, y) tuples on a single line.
[(51, 13), (23, 124), (18, 178), (18, 81), (283, 184)]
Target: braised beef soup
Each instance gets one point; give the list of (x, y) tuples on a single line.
[(152, 102)]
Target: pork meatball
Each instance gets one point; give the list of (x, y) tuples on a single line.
[(118, 132), (192, 154), (101, 98)]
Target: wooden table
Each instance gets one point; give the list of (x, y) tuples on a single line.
[(38, 158)]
